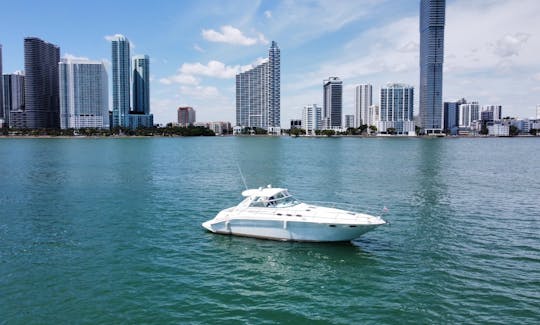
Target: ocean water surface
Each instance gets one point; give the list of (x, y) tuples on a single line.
[(108, 231)]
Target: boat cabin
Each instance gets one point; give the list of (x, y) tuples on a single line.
[(268, 197)]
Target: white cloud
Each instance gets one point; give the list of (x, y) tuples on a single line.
[(113, 37), (197, 48), (213, 68), (263, 39), (231, 35), (200, 91), (509, 45), (302, 21), (180, 79), (74, 57), (268, 14)]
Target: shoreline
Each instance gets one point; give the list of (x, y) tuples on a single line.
[(255, 136)]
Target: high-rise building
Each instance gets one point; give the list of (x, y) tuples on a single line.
[(13, 89), (363, 100), (186, 116), (397, 104), (258, 94), (332, 102), (141, 84), (468, 113), (3, 115), (120, 80), (349, 121), (311, 118), (274, 89), (84, 94), (41, 89), (432, 21), (140, 114)]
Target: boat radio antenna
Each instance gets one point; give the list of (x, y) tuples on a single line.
[(241, 175)]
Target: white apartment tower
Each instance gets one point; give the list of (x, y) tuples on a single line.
[(258, 98), (374, 115), (311, 118), (397, 104), (363, 100), (468, 113), (84, 94)]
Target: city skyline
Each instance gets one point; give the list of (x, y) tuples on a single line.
[(196, 51)]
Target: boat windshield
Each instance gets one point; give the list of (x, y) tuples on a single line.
[(280, 200)]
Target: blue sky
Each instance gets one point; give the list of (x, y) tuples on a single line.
[(196, 47)]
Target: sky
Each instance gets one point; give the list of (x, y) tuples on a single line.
[(197, 47)]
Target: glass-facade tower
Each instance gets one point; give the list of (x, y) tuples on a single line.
[(332, 102), (274, 91), (3, 114), (141, 85), (14, 115), (41, 88), (432, 21), (120, 81)]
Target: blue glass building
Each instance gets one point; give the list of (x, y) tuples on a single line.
[(432, 20), (120, 80)]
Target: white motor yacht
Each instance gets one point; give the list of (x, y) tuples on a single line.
[(272, 213)]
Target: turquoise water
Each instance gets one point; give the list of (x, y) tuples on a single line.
[(108, 231)]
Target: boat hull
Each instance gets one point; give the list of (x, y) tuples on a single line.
[(284, 230)]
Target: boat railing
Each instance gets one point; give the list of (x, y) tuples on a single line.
[(356, 208)]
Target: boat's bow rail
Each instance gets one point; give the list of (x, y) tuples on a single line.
[(355, 208)]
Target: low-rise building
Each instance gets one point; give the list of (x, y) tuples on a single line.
[(349, 121), (296, 124), (499, 129)]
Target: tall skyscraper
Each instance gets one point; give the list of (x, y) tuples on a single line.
[(120, 80), (332, 102), (363, 100), (141, 84), (186, 116), (84, 94), (258, 94), (397, 105), (140, 114), (14, 115), (274, 89), (41, 89), (3, 115), (432, 20), (311, 118)]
